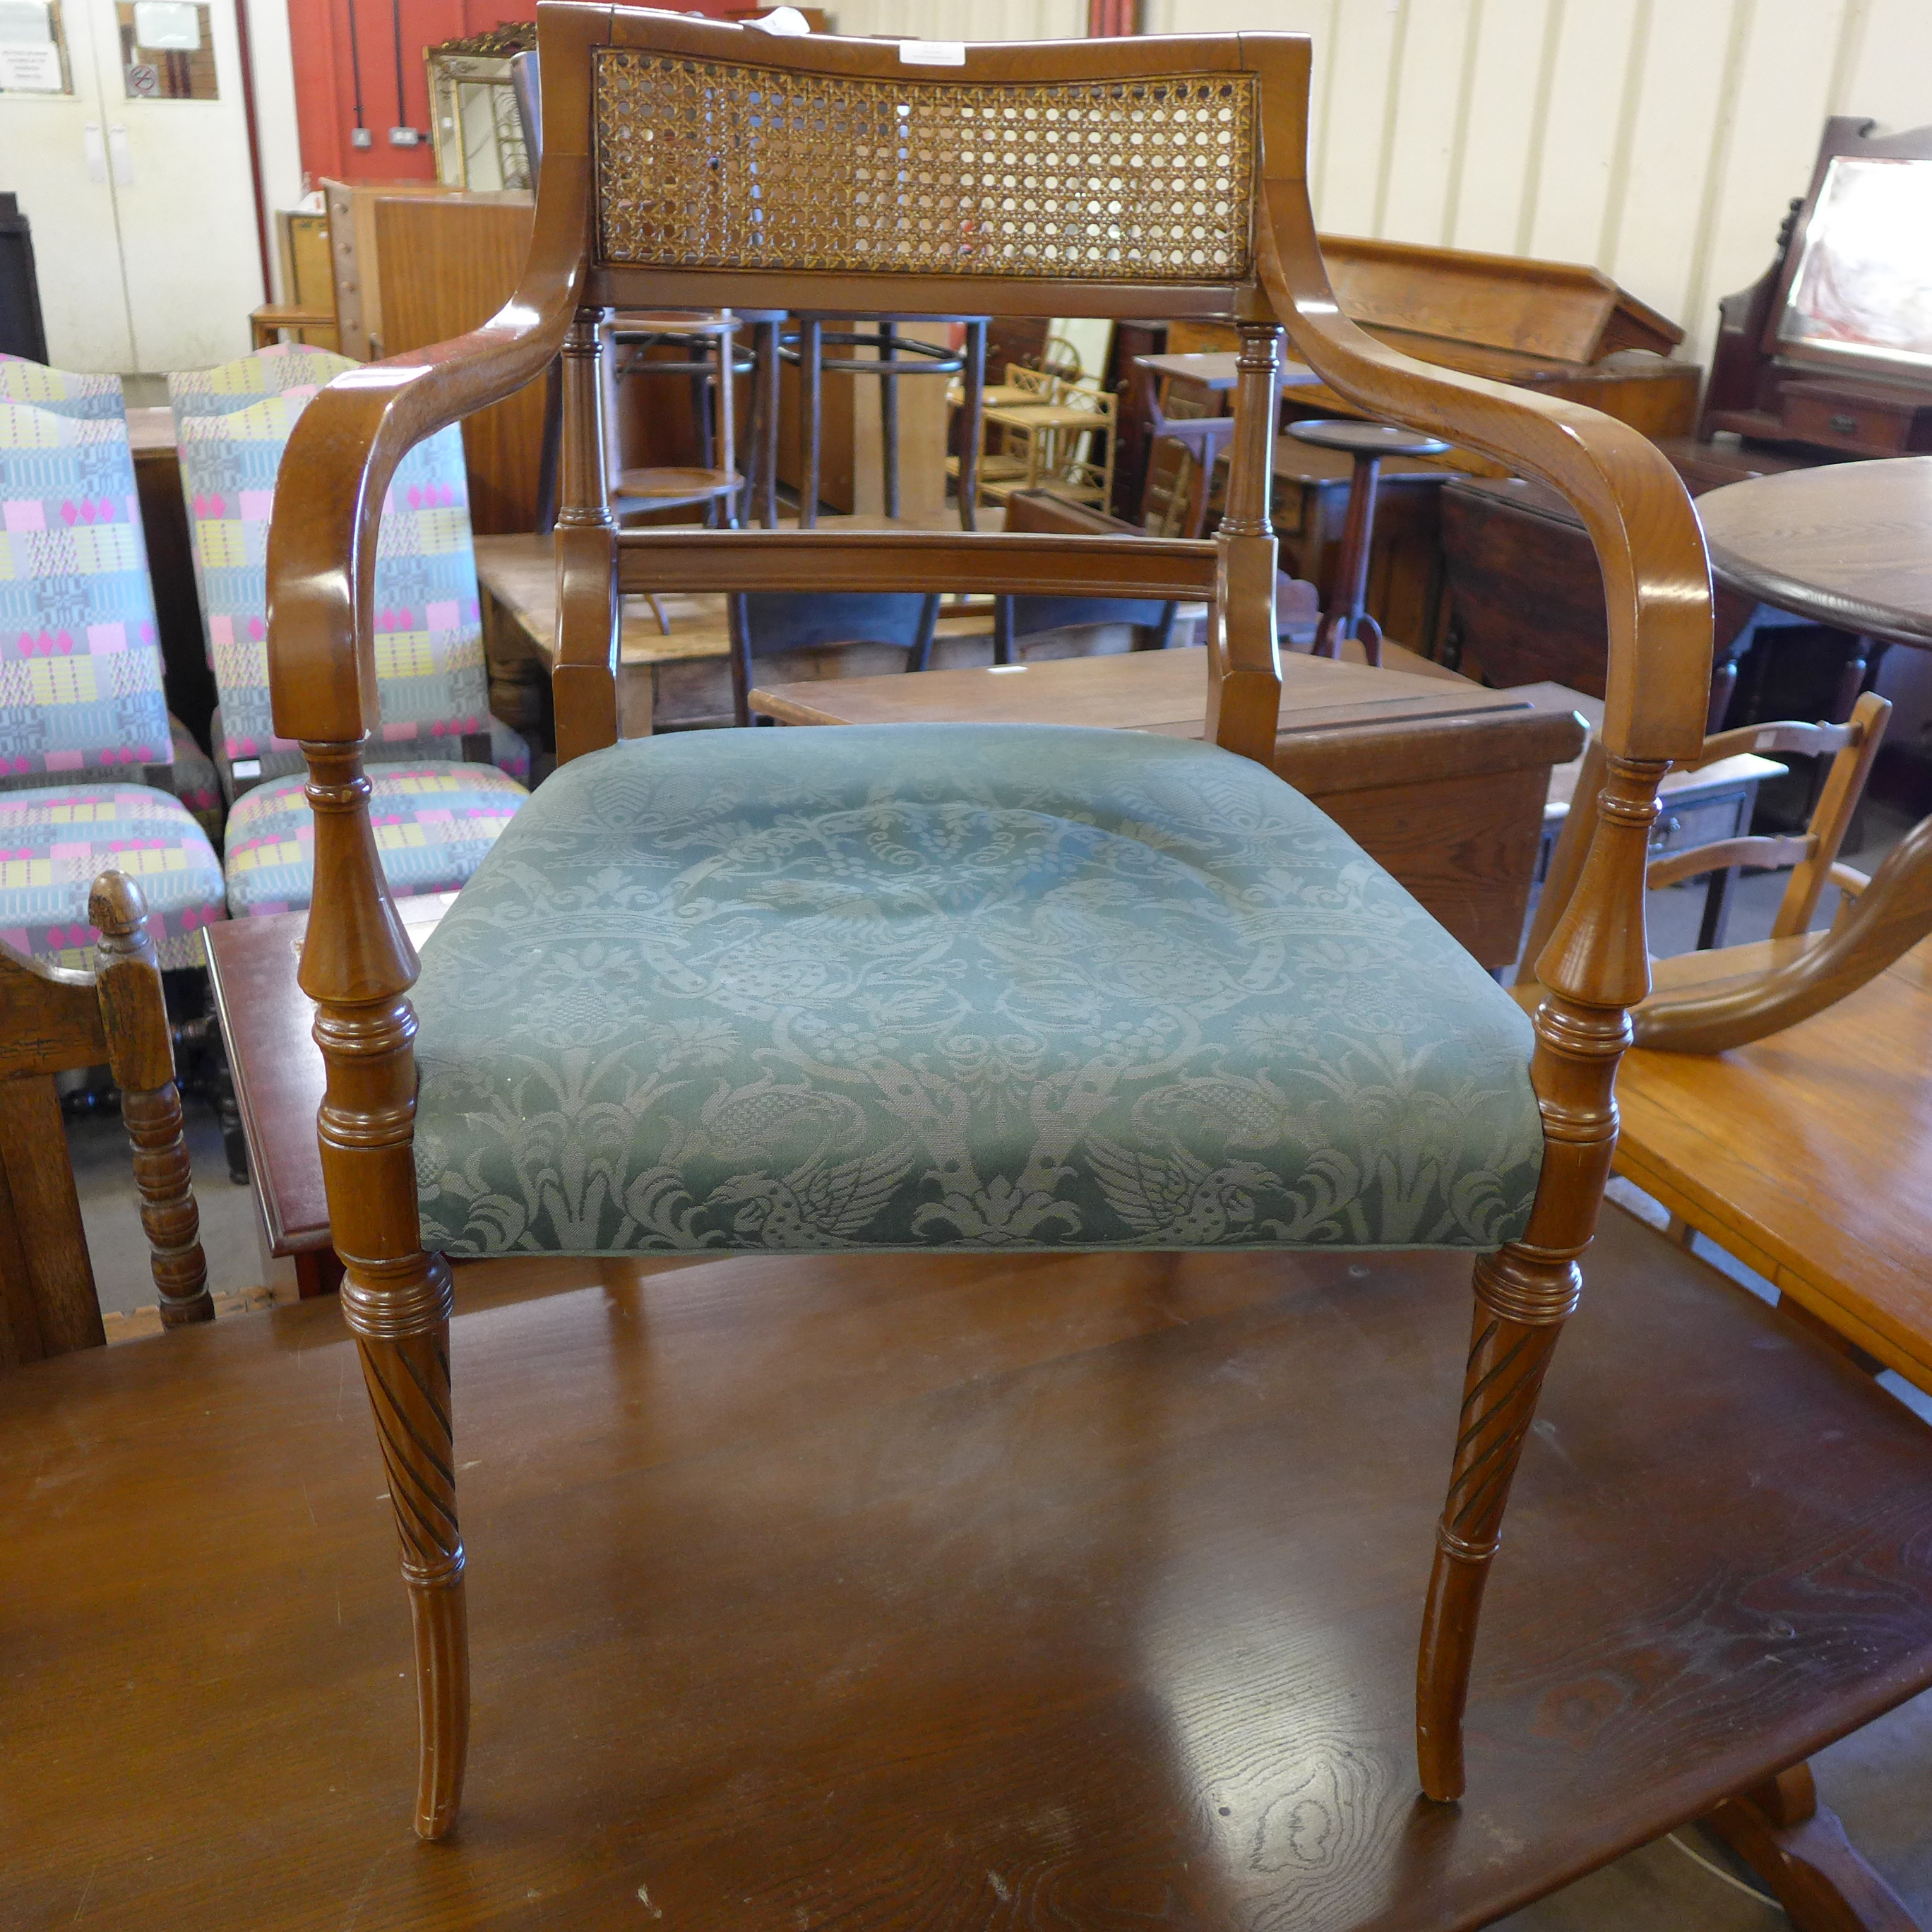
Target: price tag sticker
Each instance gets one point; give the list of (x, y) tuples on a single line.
[(933, 53)]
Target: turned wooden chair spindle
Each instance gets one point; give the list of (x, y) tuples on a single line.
[(1014, 862), (60, 1021)]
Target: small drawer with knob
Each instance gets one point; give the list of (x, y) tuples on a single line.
[(1862, 420)]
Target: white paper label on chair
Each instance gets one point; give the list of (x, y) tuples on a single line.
[(933, 53), (247, 768)]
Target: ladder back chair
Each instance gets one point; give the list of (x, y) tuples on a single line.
[(1709, 1002), (1115, 1047)]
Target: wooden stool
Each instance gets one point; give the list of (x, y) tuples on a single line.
[(892, 358), (709, 363), (1367, 443)]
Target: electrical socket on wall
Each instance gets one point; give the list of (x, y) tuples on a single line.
[(405, 137), (361, 137)]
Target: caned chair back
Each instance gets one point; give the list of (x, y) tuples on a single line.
[(80, 664), (429, 638), (62, 390), (772, 169)]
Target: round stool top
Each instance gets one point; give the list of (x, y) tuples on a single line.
[(1366, 438)]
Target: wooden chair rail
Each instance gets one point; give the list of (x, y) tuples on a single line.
[(1722, 853), (1886, 919), (1766, 740), (1024, 565)]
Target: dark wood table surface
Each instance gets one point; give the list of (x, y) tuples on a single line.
[(1064, 1590), (1441, 781), (1849, 544)]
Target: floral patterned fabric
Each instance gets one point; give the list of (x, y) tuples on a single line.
[(429, 633), (954, 986), (53, 845), (61, 391), (80, 667), (433, 824)]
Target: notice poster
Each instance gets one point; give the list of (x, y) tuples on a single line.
[(32, 58)]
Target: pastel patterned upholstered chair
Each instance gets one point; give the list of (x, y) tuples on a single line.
[(936, 988), (65, 393), (85, 757), (450, 778)]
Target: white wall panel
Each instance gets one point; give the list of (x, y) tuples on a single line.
[(1425, 125), (1514, 46), (1587, 81)]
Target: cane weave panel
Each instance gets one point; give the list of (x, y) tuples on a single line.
[(704, 164)]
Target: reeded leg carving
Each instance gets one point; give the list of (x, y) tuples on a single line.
[(140, 1051), (1596, 968), (357, 966), (1522, 1301), (408, 1381)]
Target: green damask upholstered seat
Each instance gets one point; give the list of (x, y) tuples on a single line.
[(954, 986)]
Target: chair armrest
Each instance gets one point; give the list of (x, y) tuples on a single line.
[(345, 448), (1657, 577)]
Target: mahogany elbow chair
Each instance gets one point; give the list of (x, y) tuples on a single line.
[(933, 987)]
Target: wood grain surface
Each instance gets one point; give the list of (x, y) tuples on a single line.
[(1849, 544), (1039, 1592), (1809, 1156)]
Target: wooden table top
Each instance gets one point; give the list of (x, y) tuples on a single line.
[(989, 1590), (1848, 544), (1808, 1155), (266, 1020), (1140, 691), (1215, 369)]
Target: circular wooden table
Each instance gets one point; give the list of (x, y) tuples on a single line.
[(1848, 545)]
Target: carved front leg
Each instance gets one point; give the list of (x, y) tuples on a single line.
[(358, 965), (407, 1376), (1596, 968)]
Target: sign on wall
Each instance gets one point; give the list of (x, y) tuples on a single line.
[(33, 48), (167, 50)]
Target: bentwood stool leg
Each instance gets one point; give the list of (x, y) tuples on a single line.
[(972, 427), (809, 332), (889, 416)]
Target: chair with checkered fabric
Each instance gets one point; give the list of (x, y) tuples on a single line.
[(85, 750), (932, 987), (450, 778), (65, 393)]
